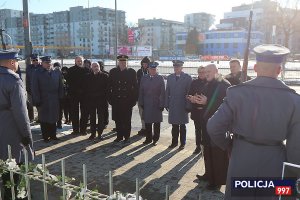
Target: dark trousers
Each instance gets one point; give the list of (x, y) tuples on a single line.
[(7, 191), (97, 110), (75, 103), (64, 109), (30, 107), (199, 125), (123, 125), (156, 130), (48, 130), (106, 114), (176, 129)]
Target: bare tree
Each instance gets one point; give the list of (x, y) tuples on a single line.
[(288, 19)]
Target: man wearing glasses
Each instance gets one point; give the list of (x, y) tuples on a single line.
[(32, 68), (47, 90)]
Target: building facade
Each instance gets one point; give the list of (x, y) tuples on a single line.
[(201, 21)]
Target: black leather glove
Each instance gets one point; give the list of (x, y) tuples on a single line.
[(161, 109), (26, 141)]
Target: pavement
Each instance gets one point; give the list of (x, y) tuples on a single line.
[(154, 166)]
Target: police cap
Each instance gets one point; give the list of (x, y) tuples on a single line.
[(46, 59), (34, 56), (153, 64), (177, 63), (9, 54), (271, 53), (122, 57)]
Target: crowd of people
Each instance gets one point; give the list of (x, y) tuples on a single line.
[(232, 118)]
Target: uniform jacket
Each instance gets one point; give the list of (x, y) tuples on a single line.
[(96, 86), (139, 74), (152, 98), (29, 75), (197, 87), (176, 101), (122, 86), (264, 110), (13, 114), (47, 90)]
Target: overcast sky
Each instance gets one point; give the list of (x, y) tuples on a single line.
[(135, 9)]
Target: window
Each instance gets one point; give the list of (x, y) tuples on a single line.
[(225, 45), (235, 45), (211, 45), (218, 45)]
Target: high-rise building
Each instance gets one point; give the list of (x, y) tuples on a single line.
[(201, 21)]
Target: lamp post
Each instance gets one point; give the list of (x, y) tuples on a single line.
[(116, 28)]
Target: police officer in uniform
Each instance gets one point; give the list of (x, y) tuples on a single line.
[(47, 91), (122, 91), (15, 124), (151, 100), (30, 70), (143, 71), (178, 85), (261, 114)]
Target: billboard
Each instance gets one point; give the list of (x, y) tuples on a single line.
[(142, 51), (130, 33), (125, 50)]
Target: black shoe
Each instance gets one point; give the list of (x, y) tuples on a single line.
[(213, 187), (142, 132), (172, 146), (100, 138), (83, 133), (93, 136), (114, 129), (154, 143), (181, 147), (55, 138), (147, 142), (202, 177), (126, 141), (47, 140), (118, 140), (197, 150), (75, 133)]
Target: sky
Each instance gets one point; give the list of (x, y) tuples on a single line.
[(135, 9)]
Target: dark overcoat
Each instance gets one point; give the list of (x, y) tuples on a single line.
[(47, 90), (14, 119), (176, 101), (152, 98)]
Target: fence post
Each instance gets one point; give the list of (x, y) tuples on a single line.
[(44, 177), (26, 177), (63, 179), (11, 176), (111, 190), (137, 188), (84, 180), (167, 192)]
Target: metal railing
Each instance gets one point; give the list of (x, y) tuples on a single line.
[(81, 192)]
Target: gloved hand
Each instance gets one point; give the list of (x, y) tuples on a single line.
[(26, 141), (161, 109)]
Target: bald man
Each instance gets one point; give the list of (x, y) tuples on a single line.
[(215, 159)]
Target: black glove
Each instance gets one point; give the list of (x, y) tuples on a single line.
[(26, 141), (161, 109)]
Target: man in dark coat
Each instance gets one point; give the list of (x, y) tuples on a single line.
[(143, 71), (76, 77), (235, 77), (30, 69), (15, 124), (178, 85), (197, 87), (47, 91), (106, 113), (96, 93), (261, 114), (122, 93), (152, 100), (215, 159)]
